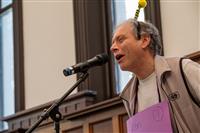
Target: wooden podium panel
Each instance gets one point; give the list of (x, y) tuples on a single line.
[(102, 117)]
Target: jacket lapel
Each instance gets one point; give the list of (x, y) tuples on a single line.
[(129, 95)]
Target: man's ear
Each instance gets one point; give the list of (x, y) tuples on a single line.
[(145, 41)]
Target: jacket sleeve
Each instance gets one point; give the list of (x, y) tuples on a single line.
[(191, 70)]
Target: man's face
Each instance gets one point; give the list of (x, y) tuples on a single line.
[(126, 48)]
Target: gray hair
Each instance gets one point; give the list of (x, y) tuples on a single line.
[(145, 28)]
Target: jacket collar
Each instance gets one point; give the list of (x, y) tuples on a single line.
[(128, 92), (161, 67)]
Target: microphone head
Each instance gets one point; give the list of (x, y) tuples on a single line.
[(68, 71), (84, 66), (103, 58)]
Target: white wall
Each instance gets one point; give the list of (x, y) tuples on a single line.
[(48, 49), (180, 25), (199, 23)]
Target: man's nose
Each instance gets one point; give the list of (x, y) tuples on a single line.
[(114, 48)]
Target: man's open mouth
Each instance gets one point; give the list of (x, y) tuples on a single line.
[(118, 57)]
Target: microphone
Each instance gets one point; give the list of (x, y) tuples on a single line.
[(84, 66)]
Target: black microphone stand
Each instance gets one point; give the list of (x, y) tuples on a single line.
[(53, 110)]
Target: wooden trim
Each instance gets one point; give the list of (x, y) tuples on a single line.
[(116, 126), (122, 122), (86, 128), (18, 55), (153, 15), (95, 107)]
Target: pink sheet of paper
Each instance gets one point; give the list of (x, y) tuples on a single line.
[(155, 119)]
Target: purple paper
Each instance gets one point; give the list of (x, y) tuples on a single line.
[(155, 119)]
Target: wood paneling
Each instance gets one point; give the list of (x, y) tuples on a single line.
[(115, 124), (74, 130), (97, 118), (123, 119), (73, 103), (104, 126)]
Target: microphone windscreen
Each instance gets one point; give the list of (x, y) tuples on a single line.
[(103, 58)]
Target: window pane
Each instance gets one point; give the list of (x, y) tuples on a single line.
[(122, 10), (7, 63), (4, 3)]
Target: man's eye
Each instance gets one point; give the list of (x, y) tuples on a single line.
[(121, 40)]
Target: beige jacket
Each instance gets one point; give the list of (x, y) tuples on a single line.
[(185, 114)]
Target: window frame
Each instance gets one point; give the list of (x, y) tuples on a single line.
[(18, 56), (16, 7)]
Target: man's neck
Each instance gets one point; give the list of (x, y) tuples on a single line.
[(145, 68)]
